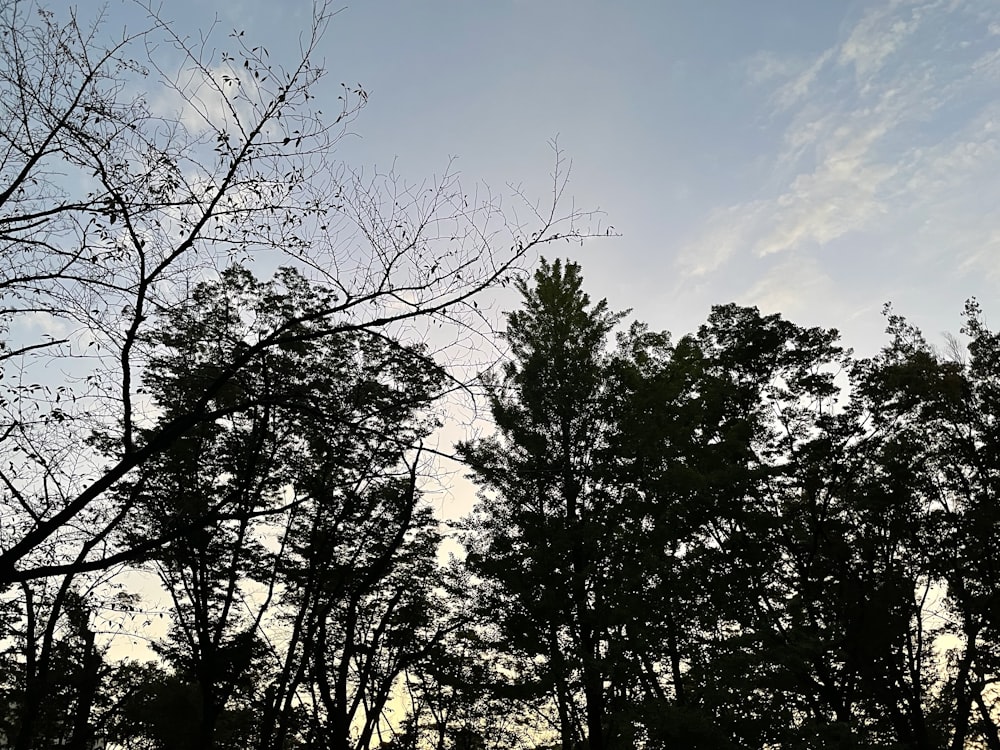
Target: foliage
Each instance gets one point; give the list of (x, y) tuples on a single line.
[(768, 542)]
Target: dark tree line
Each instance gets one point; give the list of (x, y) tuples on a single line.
[(748, 538)]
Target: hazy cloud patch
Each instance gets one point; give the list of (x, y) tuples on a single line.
[(877, 36), (791, 287), (881, 139)]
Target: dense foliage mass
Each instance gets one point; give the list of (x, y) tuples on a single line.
[(214, 403), (748, 538)]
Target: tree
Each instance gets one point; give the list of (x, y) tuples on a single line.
[(55, 672), (783, 546), (456, 698), (629, 528), (928, 500), (828, 564), (706, 434), (539, 541), (151, 201), (298, 556), (756, 395)]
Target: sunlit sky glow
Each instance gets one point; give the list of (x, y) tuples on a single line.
[(813, 158)]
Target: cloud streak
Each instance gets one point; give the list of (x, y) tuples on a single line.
[(882, 142)]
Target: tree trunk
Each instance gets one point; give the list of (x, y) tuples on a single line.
[(83, 734)]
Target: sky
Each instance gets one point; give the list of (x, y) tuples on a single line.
[(816, 158)]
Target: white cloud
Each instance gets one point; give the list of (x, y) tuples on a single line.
[(791, 287), (726, 234), (792, 78), (205, 100), (988, 65), (889, 143), (796, 89), (841, 194), (875, 38), (766, 66)]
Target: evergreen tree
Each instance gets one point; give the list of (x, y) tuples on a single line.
[(541, 539)]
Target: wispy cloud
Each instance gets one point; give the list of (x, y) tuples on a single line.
[(728, 231), (790, 287), (800, 85), (890, 133), (878, 35)]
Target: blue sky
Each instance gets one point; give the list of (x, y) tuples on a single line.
[(813, 157)]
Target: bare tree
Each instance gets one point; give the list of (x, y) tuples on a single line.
[(115, 203)]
